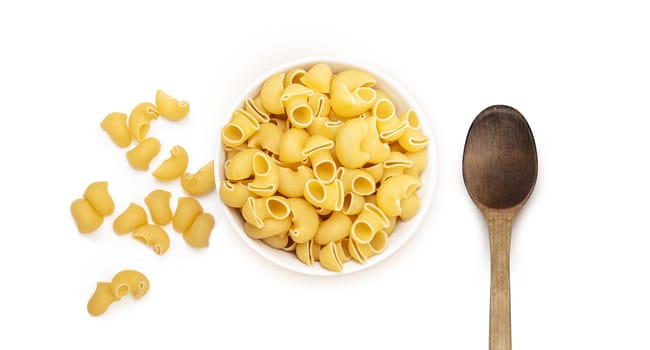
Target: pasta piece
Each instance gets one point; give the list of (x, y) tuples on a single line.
[(139, 120), (318, 78), (198, 235), (323, 126), (419, 160), (158, 203), (282, 123), (267, 138), (376, 171), (410, 207), (255, 108), (233, 151), (97, 195), (304, 219), (256, 210), (299, 113), (292, 183), (270, 228), (187, 210), (392, 191), (351, 93), (329, 258), (308, 252), (85, 216), (357, 181), (201, 182), (141, 155), (271, 94), (133, 217), (266, 175), (240, 167), (333, 229), (293, 76), (348, 143), (396, 164), (241, 127), (370, 220), (234, 194), (375, 246), (101, 299), (323, 165), (291, 246), (372, 144), (355, 254), (412, 140), (129, 281), (392, 222), (170, 107), (326, 196), (342, 250), (174, 166), (277, 242), (319, 104), (115, 125), (389, 126), (352, 203), (291, 145), (153, 236)]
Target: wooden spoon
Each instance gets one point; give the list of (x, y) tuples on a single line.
[(500, 169)]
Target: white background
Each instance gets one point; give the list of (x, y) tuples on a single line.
[(579, 72)]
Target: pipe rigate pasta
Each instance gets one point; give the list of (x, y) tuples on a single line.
[(97, 195), (370, 220), (267, 138), (115, 126), (374, 247), (240, 166), (154, 236), (271, 94), (255, 108), (139, 120), (158, 203), (412, 140), (241, 127), (335, 228), (266, 175), (326, 196), (348, 143), (329, 258), (323, 165), (270, 228), (133, 217), (305, 220), (373, 145), (376, 171), (291, 145), (352, 203), (354, 252), (234, 194), (277, 242), (324, 126), (342, 249), (318, 78), (256, 210), (320, 105), (129, 282), (201, 182), (85, 216), (198, 235), (419, 160), (296, 102), (293, 76), (292, 183), (396, 164), (174, 166), (389, 126), (395, 189), (187, 210), (351, 92), (170, 107), (410, 207), (357, 181), (141, 155), (308, 252), (101, 299)]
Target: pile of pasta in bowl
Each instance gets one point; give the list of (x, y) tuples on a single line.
[(321, 163)]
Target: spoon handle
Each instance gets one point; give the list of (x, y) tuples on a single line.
[(500, 227)]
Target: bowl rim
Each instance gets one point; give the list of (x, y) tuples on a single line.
[(431, 169)]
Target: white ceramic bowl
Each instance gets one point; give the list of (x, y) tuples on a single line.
[(403, 230)]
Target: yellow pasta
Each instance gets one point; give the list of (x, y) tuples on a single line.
[(271, 227), (241, 127), (129, 282), (305, 220), (395, 189), (293, 76), (267, 138), (101, 299), (85, 216), (139, 120), (326, 196), (277, 242), (335, 228), (396, 164), (201, 182), (174, 166), (271, 94), (323, 165), (198, 235), (255, 108), (357, 181), (373, 145), (370, 220), (292, 183), (141, 155), (319, 104), (410, 207), (97, 195), (308, 252), (376, 171), (240, 166), (329, 258), (266, 175), (115, 126), (389, 126), (296, 102), (412, 140), (348, 143), (291, 145), (256, 210), (170, 107), (352, 203), (392, 223), (133, 217), (342, 249), (324, 126), (187, 210), (374, 247), (234, 194), (419, 160), (355, 254), (318, 78), (351, 93), (153, 236), (158, 203)]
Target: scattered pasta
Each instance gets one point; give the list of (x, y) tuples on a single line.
[(201, 182), (153, 236), (133, 217), (115, 125), (123, 283), (322, 164), (158, 203), (89, 211), (170, 107), (141, 155), (174, 166)]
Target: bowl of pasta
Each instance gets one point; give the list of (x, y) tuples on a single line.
[(325, 166)]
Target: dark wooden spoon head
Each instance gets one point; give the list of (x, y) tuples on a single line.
[(500, 159)]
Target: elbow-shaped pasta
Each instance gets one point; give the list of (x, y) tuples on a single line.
[(282, 123), (153, 236), (267, 138), (318, 78), (291, 246), (270, 228), (412, 140), (97, 195), (323, 211), (198, 235), (299, 113), (129, 281), (277, 242), (370, 220), (115, 125), (139, 120), (174, 166), (255, 108), (133, 217), (170, 107), (348, 143), (323, 165), (389, 126), (351, 93), (329, 258), (141, 155), (419, 160), (101, 299), (266, 175), (234, 194), (233, 151), (353, 251), (372, 144), (395, 189), (396, 164), (240, 167), (357, 181), (308, 252), (295, 90), (325, 127), (187, 210), (158, 203), (271, 94), (292, 183), (315, 144), (376, 171), (410, 207), (326, 196), (293, 76), (200, 182), (335, 228), (304, 219), (319, 104), (352, 203), (85, 216), (342, 249), (256, 210), (375, 246), (291, 145), (241, 127), (392, 222)]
